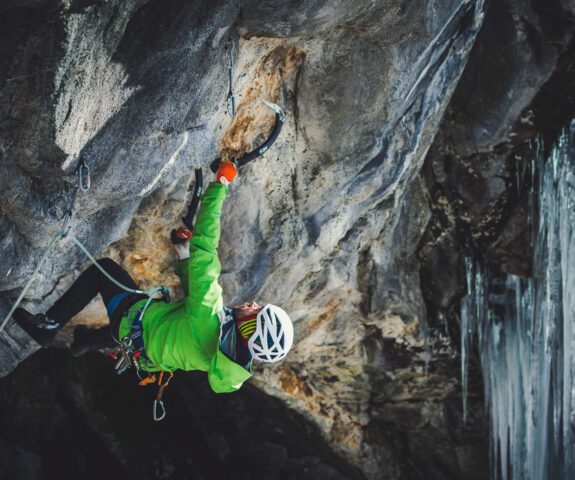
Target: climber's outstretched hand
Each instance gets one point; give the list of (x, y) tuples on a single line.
[(226, 173)]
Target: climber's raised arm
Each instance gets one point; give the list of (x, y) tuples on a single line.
[(199, 268)]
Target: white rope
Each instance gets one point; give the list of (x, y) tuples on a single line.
[(95, 262), (21, 297), (150, 293)]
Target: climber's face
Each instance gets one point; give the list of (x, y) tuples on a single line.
[(247, 309)]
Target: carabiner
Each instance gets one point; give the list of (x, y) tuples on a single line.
[(68, 217), (158, 400), (166, 297), (231, 102), (155, 414), (163, 385), (83, 176), (231, 99)]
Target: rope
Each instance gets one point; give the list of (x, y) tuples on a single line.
[(95, 262), (21, 297), (150, 293), (83, 185)]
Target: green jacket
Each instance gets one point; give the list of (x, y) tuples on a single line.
[(186, 334)]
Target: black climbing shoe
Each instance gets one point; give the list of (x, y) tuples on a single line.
[(81, 344), (89, 339), (41, 328)]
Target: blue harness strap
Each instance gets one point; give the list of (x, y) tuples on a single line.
[(136, 326), (114, 303)]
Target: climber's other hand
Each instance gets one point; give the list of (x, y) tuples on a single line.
[(182, 249)]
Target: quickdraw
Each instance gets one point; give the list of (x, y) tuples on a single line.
[(158, 402), (131, 353), (231, 98), (83, 185)]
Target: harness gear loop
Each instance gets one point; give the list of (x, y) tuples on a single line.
[(231, 99)]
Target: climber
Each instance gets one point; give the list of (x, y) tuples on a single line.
[(196, 333)]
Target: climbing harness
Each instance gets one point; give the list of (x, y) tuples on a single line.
[(264, 147), (131, 353), (131, 347), (231, 99)]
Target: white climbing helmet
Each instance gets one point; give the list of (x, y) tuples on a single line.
[(273, 336)]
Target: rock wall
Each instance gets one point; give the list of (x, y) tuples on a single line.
[(354, 222)]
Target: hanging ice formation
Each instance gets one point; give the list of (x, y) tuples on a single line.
[(525, 330)]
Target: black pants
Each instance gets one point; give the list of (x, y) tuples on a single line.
[(89, 284)]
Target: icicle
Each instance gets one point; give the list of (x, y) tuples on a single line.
[(466, 318), (526, 335), (427, 354)]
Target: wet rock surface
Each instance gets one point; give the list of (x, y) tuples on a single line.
[(401, 151)]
